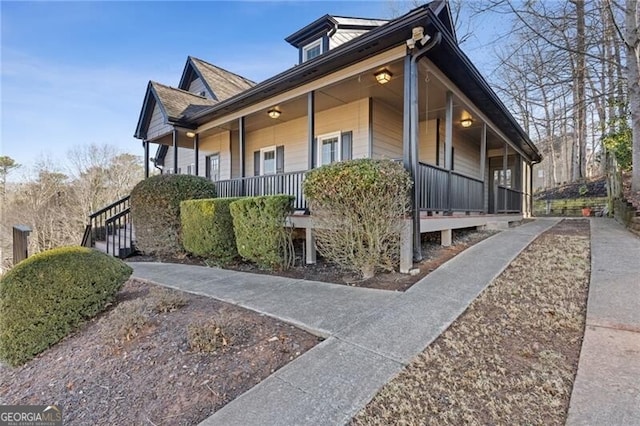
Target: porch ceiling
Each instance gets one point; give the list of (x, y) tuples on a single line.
[(432, 102)]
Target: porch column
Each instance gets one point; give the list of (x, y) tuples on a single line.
[(448, 145), (242, 145), (175, 151), (145, 144), (406, 124), (311, 130), (483, 164), (414, 145), (448, 130), (505, 162), (196, 153)]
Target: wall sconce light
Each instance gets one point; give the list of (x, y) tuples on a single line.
[(466, 122), (191, 134), (274, 113), (383, 76)]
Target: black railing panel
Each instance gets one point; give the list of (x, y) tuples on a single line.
[(119, 234), (98, 219), (507, 200), (444, 190), (281, 183)]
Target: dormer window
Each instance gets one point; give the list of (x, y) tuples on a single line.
[(312, 50)]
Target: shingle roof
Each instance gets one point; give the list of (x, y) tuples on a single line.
[(223, 83), (178, 103)]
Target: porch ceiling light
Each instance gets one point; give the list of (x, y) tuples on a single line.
[(383, 76), (274, 113), (466, 122), (191, 134)]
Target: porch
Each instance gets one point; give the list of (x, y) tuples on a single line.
[(440, 191)]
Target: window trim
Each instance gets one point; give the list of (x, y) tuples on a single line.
[(275, 159), (306, 48), (208, 166), (322, 138)]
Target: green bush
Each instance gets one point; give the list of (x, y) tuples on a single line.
[(207, 228), (155, 210), (357, 208), (261, 236), (45, 297)]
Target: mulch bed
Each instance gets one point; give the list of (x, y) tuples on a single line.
[(434, 256), (152, 376), (512, 356), (595, 188)]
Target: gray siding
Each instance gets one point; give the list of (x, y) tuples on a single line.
[(343, 36), (197, 86), (157, 126)]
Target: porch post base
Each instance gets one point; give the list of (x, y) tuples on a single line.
[(445, 237), (406, 249), (310, 246)]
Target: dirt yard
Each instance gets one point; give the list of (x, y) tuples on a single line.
[(512, 356), (158, 357)]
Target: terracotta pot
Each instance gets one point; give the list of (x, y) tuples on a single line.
[(586, 211)]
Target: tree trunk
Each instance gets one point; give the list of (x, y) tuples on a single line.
[(632, 24)]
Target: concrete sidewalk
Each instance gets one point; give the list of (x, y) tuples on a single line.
[(607, 387), (371, 334)]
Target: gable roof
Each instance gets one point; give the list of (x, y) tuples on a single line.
[(442, 10), (220, 83), (175, 105), (446, 55)]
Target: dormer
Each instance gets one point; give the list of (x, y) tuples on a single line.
[(328, 33)]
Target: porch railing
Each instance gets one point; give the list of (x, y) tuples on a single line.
[(119, 234), (281, 183), (446, 190), (111, 227), (507, 200), (98, 219)]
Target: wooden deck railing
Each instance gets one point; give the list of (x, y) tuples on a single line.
[(445, 190), (281, 183)]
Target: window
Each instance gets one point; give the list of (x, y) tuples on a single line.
[(268, 161), (540, 173), (498, 178), (213, 167), (312, 50), (191, 169), (329, 149)]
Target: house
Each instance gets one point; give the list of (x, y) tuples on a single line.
[(364, 88)]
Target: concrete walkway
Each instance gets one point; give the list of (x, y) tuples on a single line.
[(371, 334), (607, 387)]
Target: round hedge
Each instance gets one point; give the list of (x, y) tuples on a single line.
[(45, 297), (155, 210)]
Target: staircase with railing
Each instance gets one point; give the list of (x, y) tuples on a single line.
[(110, 230)]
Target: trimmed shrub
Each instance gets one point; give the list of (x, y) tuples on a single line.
[(261, 236), (45, 297), (207, 228), (155, 210), (357, 209)]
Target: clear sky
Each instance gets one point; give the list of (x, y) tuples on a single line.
[(75, 73)]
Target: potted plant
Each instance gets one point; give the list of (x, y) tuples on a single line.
[(586, 211)]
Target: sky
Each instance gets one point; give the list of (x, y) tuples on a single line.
[(75, 73)]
